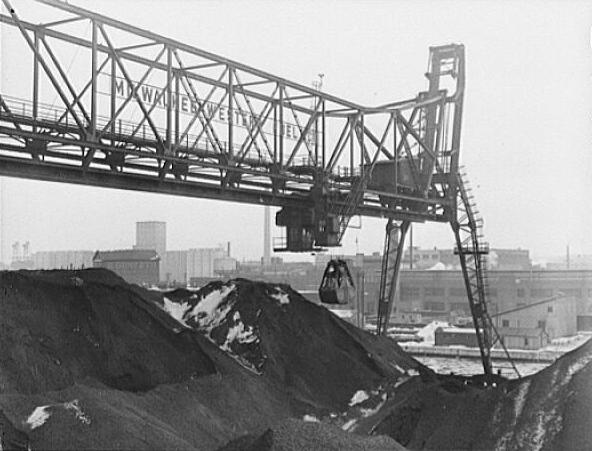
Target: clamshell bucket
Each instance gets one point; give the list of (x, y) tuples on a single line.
[(337, 286)]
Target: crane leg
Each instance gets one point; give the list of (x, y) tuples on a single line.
[(473, 253), (391, 262)]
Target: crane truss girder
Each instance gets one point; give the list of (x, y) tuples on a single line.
[(145, 106)]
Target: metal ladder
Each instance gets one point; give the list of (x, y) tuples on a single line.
[(473, 253)]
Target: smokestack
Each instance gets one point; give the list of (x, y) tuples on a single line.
[(26, 250), (16, 251), (228, 248), (266, 237)]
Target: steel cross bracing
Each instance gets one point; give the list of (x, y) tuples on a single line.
[(140, 111)]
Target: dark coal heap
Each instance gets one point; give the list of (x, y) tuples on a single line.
[(90, 362), (59, 328), (274, 331), (550, 410)]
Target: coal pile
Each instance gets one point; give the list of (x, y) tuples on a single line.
[(275, 332), (297, 435), (90, 362), (58, 329), (550, 410)]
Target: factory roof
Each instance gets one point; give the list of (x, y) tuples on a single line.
[(126, 255)]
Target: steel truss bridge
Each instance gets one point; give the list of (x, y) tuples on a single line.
[(143, 112)]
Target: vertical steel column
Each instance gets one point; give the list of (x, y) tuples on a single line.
[(316, 133), (169, 100), (323, 142), (177, 109), (352, 127), (113, 91), (281, 135), (275, 131), (395, 154), (362, 148), (391, 263), (35, 81), (230, 111), (93, 86), (457, 104)]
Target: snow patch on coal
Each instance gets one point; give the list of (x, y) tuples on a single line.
[(366, 412), (239, 333), (38, 417), (211, 309), (213, 312), (310, 418), (41, 414), (281, 296), (358, 397), (176, 310)]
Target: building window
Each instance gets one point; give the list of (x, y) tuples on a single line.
[(575, 292), (459, 306), (550, 309), (408, 292), (434, 291), (541, 324), (505, 323), (541, 293), (457, 292), (520, 292), (435, 306), (525, 341)]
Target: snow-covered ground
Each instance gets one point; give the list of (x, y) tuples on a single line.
[(562, 344), (469, 367), (566, 344)]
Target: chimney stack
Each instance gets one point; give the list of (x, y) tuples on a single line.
[(266, 237)]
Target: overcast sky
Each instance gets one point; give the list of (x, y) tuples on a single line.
[(526, 137)]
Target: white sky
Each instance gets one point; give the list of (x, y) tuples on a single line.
[(526, 138)]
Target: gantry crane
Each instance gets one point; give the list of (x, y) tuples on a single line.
[(146, 112)]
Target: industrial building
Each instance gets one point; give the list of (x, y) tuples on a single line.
[(62, 259), (535, 324), (173, 267), (437, 259), (203, 263), (531, 326), (151, 235), (437, 294), (185, 266), (140, 266)]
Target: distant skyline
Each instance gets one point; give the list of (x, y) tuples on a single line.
[(526, 138)]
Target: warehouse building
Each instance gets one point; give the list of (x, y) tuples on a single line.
[(140, 266)]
